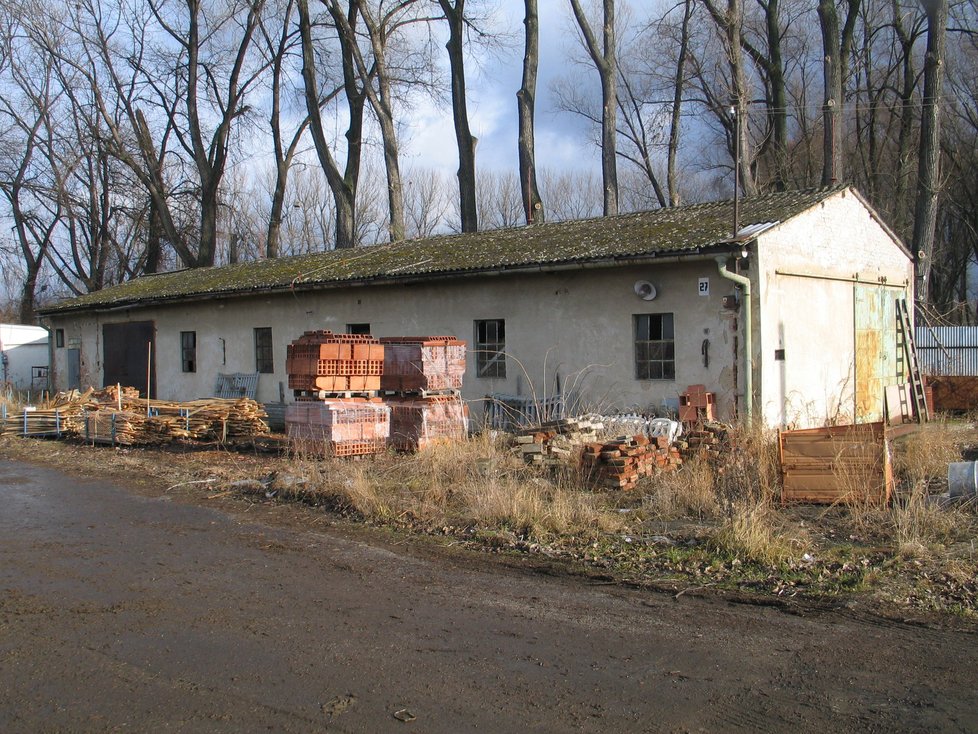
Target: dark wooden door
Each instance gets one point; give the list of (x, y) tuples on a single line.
[(128, 349)]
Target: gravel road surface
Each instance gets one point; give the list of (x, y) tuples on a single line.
[(133, 610)]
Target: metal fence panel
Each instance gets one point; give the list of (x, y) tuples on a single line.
[(948, 350)]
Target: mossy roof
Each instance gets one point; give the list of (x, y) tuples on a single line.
[(662, 232)]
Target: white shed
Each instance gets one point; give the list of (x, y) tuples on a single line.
[(24, 357), (614, 313)]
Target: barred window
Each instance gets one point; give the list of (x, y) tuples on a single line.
[(490, 348), (655, 347), (188, 350), (263, 350)]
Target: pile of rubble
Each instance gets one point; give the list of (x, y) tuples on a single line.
[(620, 463), (553, 442)]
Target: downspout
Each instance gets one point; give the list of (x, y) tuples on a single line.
[(748, 342)]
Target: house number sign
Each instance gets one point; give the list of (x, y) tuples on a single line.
[(704, 287)]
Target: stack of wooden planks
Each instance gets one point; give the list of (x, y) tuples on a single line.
[(619, 464), (836, 464)]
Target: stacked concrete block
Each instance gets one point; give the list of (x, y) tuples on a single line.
[(696, 405), (347, 427), (320, 363), (422, 364)]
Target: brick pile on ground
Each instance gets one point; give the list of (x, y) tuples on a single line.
[(340, 427), (328, 363), (620, 463), (422, 364), (555, 442), (709, 441)]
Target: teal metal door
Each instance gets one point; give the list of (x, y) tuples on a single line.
[(875, 349)]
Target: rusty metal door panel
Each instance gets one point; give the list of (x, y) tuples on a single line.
[(126, 349), (875, 349)]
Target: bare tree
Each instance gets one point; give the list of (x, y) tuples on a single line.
[(454, 12), (605, 61), (836, 45), (279, 45), (928, 183), (342, 183), (526, 111), (27, 122)]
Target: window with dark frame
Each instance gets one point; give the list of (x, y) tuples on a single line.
[(188, 350), (655, 347), (490, 348), (263, 350), (59, 338), (358, 328)]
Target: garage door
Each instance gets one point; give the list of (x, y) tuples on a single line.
[(128, 349)]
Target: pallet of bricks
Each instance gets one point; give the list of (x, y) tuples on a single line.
[(619, 464), (421, 380), (335, 379)]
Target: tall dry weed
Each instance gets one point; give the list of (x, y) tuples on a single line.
[(687, 493)]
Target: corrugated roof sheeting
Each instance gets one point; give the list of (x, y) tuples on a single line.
[(948, 350), (679, 230)]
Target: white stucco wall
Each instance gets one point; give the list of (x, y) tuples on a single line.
[(21, 348), (836, 244), (576, 324)]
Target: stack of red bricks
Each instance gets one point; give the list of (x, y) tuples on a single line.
[(320, 363), (417, 422), (422, 376), (696, 405), (335, 379), (620, 463), (422, 364), (339, 427)]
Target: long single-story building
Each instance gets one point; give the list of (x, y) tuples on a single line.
[(793, 318)]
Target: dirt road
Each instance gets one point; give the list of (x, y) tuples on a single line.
[(126, 611)]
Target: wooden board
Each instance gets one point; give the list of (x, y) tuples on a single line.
[(836, 464)]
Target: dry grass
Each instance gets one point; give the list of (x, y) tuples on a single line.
[(473, 483), (754, 532), (689, 492)]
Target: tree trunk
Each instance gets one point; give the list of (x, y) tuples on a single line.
[(605, 61), (526, 108), (679, 82), (928, 170), (468, 207), (828, 20), (734, 28), (778, 108), (343, 190), (382, 103), (154, 234)]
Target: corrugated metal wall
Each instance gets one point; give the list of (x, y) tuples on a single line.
[(948, 350)]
